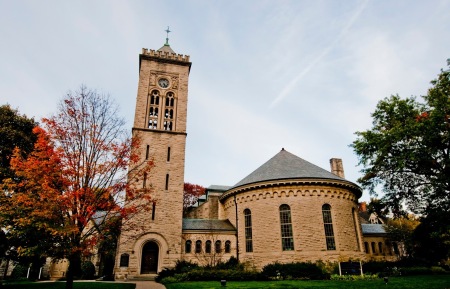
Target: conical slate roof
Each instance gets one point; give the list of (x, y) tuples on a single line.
[(166, 48), (285, 165)]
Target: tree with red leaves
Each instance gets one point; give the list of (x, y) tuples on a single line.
[(79, 168), (191, 194)]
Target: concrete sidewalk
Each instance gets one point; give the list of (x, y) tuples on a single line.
[(148, 285)]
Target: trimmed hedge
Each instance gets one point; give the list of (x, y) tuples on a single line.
[(233, 271), (403, 267), (297, 270)]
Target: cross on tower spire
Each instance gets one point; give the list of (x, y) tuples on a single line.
[(167, 38)]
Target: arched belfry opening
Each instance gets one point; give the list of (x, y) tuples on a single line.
[(149, 262)]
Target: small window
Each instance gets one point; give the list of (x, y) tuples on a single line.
[(147, 152), (187, 247), (396, 251), (218, 246), (124, 260), (374, 249), (366, 247), (168, 154), (153, 211), (144, 182), (380, 247), (198, 246), (208, 247), (387, 246), (228, 247), (167, 181)]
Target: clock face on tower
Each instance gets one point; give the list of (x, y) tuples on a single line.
[(163, 82)]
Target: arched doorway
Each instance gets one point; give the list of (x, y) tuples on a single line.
[(149, 263)]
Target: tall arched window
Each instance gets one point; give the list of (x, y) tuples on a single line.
[(287, 240), (153, 110), (169, 111), (248, 230), (208, 247), (328, 226), (188, 246), (218, 246), (228, 247), (198, 246), (380, 247)]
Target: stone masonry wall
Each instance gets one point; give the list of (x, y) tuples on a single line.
[(307, 222), (164, 226)]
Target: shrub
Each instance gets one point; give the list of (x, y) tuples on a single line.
[(354, 277), (232, 263), (87, 270), (180, 267), (19, 272), (297, 270), (438, 270), (203, 274)]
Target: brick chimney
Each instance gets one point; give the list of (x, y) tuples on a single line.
[(363, 207), (337, 168)]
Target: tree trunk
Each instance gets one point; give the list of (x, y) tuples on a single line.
[(73, 270)]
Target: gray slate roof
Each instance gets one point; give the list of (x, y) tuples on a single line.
[(166, 48), (368, 229), (218, 188), (208, 225), (285, 165), (99, 217)]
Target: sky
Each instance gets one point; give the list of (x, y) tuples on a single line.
[(266, 75)]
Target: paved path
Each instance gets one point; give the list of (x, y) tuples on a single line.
[(148, 285)]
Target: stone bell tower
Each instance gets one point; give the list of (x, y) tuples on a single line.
[(160, 121)]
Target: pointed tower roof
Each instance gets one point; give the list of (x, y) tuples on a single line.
[(286, 165), (166, 46)]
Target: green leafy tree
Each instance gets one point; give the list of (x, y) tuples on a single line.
[(401, 230), (406, 153), (15, 131), (432, 237)]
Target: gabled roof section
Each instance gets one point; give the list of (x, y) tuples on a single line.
[(207, 225), (286, 165)]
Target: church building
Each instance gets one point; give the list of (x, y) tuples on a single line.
[(286, 210)]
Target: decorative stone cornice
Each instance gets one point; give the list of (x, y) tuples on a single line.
[(158, 130), (354, 189)]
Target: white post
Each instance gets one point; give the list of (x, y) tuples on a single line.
[(340, 272), (28, 273), (40, 271), (360, 267)]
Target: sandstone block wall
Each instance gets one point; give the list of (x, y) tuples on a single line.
[(212, 258), (163, 223), (307, 223)]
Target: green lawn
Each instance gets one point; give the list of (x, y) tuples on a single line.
[(412, 282), (62, 285)]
